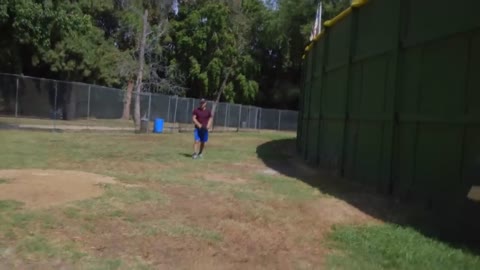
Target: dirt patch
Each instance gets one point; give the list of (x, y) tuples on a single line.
[(254, 237), (44, 188), (280, 235), (222, 178), (251, 166), (117, 165)]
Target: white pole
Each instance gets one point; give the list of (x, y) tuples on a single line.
[(319, 26)]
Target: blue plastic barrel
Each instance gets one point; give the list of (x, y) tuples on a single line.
[(158, 125)]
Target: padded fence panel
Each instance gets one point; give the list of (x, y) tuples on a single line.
[(401, 116), (374, 37), (434, 19)]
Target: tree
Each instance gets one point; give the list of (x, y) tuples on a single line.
[(279, 35), (55, 39), (141, 64), (139, 37), (333, 7), (210, 47), (159, 5), (56, 36)]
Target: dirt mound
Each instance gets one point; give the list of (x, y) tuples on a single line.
[(44, 188)]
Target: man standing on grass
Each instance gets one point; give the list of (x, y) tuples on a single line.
[(202, 118)]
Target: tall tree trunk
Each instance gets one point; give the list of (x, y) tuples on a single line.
[(127, 100), (140, 70), (220, 93)]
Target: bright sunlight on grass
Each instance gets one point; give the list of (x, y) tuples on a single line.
[(230, 210), (394, 247)]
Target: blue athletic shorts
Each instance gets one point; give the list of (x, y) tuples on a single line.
[(200, 135)]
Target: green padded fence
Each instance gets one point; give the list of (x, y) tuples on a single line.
[(391, 98)]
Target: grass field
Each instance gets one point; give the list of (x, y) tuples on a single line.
[(167, 211)]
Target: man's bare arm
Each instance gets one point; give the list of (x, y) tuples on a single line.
[(194, 118)]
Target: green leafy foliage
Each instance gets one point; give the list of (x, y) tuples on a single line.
[(211, 50), (58, 36), (251, 49), (84, 57)]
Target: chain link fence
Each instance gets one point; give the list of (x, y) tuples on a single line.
[(27, 102)]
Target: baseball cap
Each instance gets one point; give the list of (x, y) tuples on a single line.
[(202, 101)]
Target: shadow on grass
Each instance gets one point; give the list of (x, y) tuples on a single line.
[(17, 126), (457, 228), (7, 125)]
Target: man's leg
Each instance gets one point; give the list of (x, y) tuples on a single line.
[(203, 140), (202, 145), (196, 144)]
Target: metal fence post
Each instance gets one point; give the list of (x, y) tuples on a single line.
[(175, 112), (260, 119), (226, 116), (186, 109), (256, 118), (55, 106), (248, 121), (193, 108), (88, 102), (239, 118), (190, 110), (168, 110), (279, 119), (149, 105), (16, 99)]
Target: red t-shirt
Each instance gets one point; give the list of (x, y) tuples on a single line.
[(202, 116)]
